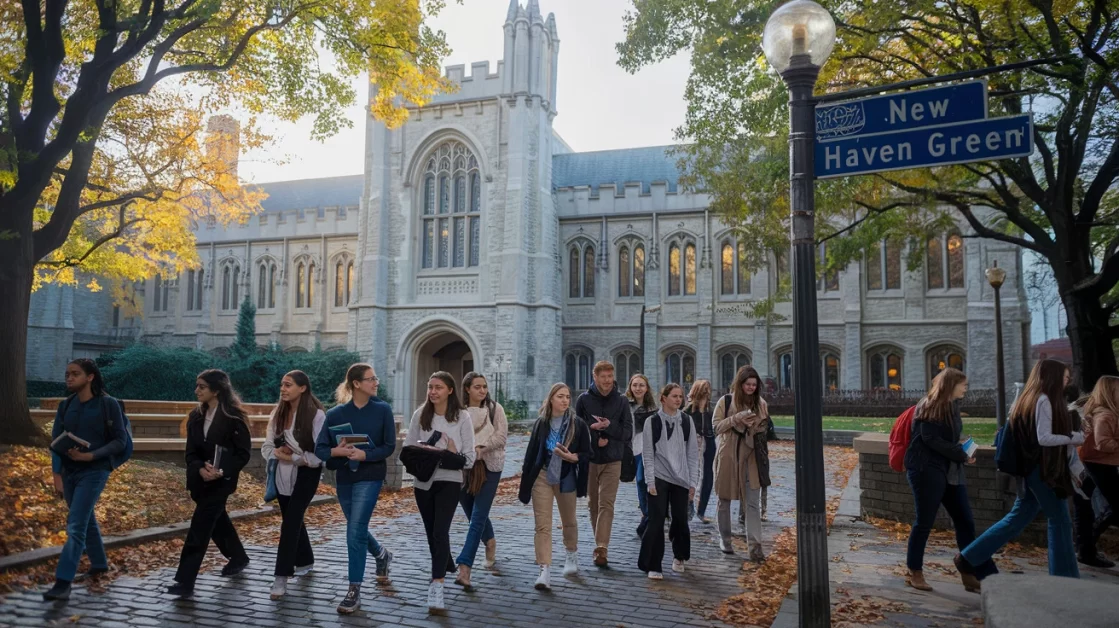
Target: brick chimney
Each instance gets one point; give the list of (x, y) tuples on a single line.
[(223, 141)]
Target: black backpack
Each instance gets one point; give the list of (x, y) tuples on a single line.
[(657, 425)]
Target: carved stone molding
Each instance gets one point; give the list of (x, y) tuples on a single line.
[(440, 286)]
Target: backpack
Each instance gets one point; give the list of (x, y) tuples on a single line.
[(124, 456), (1008, 453), (900, 435), (657, 424)]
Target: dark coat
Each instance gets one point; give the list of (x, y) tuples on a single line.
[(702, 420), (229, 432), (934, 444), (613, 406), (535, 457)]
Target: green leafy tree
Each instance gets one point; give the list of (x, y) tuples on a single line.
[(103, 166), (1062, 203), (245, 344)]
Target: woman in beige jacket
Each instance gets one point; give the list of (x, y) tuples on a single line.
[(741, 466)]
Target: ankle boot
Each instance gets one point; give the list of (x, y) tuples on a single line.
[(916, 580)]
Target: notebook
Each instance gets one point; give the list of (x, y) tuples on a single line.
[(67, 441), (352, 439), (969, 447), (219, 456)]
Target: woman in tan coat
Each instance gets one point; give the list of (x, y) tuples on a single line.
[(741, 462)]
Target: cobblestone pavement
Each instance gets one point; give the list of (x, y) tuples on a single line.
[(620, 595)]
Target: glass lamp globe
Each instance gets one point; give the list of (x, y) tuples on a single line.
[(996, 276), (798, 27)]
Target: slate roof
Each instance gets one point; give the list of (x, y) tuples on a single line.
[(626, 165), (312, 193)]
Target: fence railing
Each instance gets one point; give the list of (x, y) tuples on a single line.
[(879, 403)]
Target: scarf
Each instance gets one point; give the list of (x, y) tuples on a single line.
[(555, 437)]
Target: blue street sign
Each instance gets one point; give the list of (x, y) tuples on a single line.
[(904, 110), (983, 140)]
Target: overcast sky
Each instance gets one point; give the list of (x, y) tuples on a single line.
[(600, 105)]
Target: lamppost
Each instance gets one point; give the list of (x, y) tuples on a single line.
[(798, 39), (996, 276)]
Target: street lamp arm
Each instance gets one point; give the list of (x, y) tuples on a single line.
[(944, 78)]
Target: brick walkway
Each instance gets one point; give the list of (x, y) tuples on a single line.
[(617, 596)]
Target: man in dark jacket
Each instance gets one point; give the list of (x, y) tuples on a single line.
[(606, 412)]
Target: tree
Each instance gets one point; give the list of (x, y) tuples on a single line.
[(1038, 280), (1061, 203), (103, 168), (245, 343)]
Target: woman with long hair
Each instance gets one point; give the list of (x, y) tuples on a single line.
[(556, 470), (491, 431), (81, 472), (671, 473), (642, 404), (700, 411), (1042, 430), (741, 458), (218, 446), (360, 470), (1100, 454), (934, 465), (290, 440), (441, 424)]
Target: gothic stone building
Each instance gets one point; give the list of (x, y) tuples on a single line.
[(477, 239)]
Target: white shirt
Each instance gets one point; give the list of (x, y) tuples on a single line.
[(209, 420), (461, 432), (286, 471)]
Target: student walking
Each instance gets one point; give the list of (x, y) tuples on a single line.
[(1100, 455), (641, 406), (700, 412), (671, 473), (1042, 430), (360, 470), (218, 446), (555, 470), (934, 465), (80, 472), (741, 458), (491, 431), (290, 440), (606, 413), (441, 424)]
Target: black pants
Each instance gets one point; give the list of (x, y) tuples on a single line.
[(210, 521), (295, 545), (708, 474), (931, 490), (1106, 478), (669, 497), (437, 507), (1084, 518)]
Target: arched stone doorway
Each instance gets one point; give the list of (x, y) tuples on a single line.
[(432, 345)]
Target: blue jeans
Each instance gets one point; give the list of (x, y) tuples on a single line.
[(1036, 496), (477, 509), (708, 474), (82, 489), (358, 501), (930, 490)]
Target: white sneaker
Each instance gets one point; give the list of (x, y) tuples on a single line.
[(544, 582), (303, 571), (435, 597), (726, 547), (677, 565), (279, 587), (571, 567), (656, 575)]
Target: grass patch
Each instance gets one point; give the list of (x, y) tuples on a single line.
[(981, 429)]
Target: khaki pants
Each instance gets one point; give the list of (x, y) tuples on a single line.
[(542, 496), (602, 490)]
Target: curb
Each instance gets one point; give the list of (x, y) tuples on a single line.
[(136, 537)]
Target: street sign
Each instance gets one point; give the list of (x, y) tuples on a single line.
[(961, 102), (982, 140)]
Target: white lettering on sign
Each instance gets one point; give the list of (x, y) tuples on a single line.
[(866, 155), (1011, 138), (899, 112)]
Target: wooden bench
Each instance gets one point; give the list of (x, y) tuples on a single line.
[(144, 406), (158, 425)]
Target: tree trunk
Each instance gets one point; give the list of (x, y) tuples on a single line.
[(16, 267), (1090, 336)]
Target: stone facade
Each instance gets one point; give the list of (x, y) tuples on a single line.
[(478, 240)]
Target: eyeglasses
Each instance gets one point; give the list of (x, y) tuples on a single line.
[(370, 379)]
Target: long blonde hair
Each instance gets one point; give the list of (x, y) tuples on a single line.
[(938, 403), (345, 391), (701, 389), (546, 409), (1104, 397)]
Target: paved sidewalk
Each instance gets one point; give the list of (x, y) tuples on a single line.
[(618, 596)]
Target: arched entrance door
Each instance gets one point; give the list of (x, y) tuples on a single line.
[(435, 344), (445, 351)]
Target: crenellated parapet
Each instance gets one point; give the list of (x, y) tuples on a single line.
[(633, 197), (289, 223)]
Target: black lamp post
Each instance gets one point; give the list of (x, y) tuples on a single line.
[(996, 276), (798, 38)]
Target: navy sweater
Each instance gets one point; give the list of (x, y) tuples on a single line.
[(375, 420), (87, 421)]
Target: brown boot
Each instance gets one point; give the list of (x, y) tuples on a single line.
[(600, 557), (756, 554), (967, 573), (971, 583), (916, 580)]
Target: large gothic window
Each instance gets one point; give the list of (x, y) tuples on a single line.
[(160, 294), (829, 369), (230, 285), (580, 270), (679, 367), (301, 284), (452, 203), (631, 269), (883, 265), (943, 357), (734, 276), (266, 285), (627, 362), (577, 369), (194, 290), (729, 362), (885, 366), (944, 266), (681, 268), (829, 279)]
